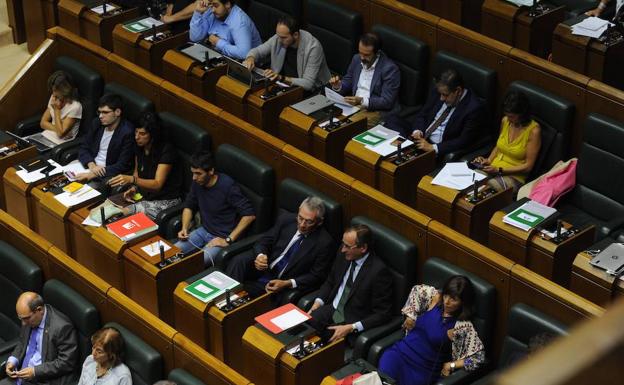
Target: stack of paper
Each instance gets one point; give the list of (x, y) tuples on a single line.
[(211, 286), (457, 176), (69, 199), (528, 215), (36, 175), (347, 109), (382, 140), (100, 8), (521, 3), (591, 27)]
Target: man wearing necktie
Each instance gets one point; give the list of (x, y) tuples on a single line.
[(295, 253), (47, 350), (357, 294), (452, 119)]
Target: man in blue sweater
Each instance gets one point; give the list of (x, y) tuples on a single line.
[(225, 212)]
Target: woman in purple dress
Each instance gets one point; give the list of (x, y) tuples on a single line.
[(439, 336)]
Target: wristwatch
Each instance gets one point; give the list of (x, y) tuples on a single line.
[(353, 328), (229, 240), (452, 366)]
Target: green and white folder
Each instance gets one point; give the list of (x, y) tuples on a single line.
[(141, 25), (368, 138), (211, 287), (529, 215)]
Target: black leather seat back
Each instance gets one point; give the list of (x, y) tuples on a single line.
[(555, 116), (182, 377), (144, 362), (82, 313), (290, 194), (338, 29), (89, 84), (412, 57), (255, 178), (399, 254), (265, 14), (525, 322), (577, 7), (17, 274), (435, 273), (187, 138), (134, 104)]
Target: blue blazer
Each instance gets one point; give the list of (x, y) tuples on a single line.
[(120, 150), (384, 86)]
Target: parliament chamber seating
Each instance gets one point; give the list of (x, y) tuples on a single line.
[(182, 377), (524, 322), (265, 13), (411, 55), (338, 29), (17, 275), (435, 273), (577, 7), (145, 362), (598, 196), (89, 84), (83, 314)]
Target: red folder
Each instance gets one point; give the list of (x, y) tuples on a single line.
[(133, 226), (266, 318)]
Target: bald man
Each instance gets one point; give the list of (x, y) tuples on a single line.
[(47, 351)]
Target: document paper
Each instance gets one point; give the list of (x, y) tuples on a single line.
[(457, 176), (71, 199), (34, 176), (154, 248), (289, 319), (591, 27), (347, 109)]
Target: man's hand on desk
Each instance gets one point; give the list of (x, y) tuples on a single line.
[(353, 100), (261, 262), (269, 73), (249, 62), (85, 176), (340, 331), (276, 285), (422, 144)]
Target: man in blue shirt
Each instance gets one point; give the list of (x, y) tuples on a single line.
[(225, 26), (225, 212)]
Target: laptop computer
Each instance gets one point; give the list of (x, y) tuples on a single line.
[(313, 104), (610, 259), (25, 143), (198, 52), (254, 79), (41, 142)]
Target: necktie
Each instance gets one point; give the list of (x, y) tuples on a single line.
[(338, 315), (438, 122), (31, 349)]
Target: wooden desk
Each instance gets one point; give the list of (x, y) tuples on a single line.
[(6, 162), (397, 181), (267, 363), (512, 25), (81, 239), (18, 198), (528, 248), (149, 55), (239, 100), (191, 75), (77, 18), (588, 56), (451, 208), (15, 13), (218, 332), (153, 286), (42, 14), (301, 131), (592, 283)]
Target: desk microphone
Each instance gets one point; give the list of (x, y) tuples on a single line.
[(475, 191), (47, 178), (559, 228), (399, 156), (332, 112), (104, 8), (302, 351), (102, 216), (162, 254), (154, 33), (228, 300)]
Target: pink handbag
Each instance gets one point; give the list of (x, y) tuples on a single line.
[(553, 186)]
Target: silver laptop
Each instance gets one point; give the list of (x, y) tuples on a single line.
[(198, 52), (238, 71), (42, 145), (313, 104), (610, 259)]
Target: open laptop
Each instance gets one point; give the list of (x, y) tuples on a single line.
[(254, 79), (610, 259), (38, 140), (313, 104), (198, 52)]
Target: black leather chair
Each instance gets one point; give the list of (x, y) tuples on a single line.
[(89, 84), (338, 29), (82, 313), (577, 7), (265, 14), (435, 272), (412, 57), (17, 275), (144, 362), (400, 255), (182, 377), (524, 322), (598, 197), (187, 138)]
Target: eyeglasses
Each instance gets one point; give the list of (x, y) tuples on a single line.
[(308, 222), (102, 112), (348, 247)]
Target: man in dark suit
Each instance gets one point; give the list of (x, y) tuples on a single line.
[(357, 295), (47, 350), (295, 253), (108, 147), (452, 119), (372, 81)]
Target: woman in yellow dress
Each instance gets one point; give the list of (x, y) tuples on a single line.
[(517, 146)]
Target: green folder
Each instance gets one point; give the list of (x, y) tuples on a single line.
[(368, 138), (136, 26), (202, 290), (526, 217)]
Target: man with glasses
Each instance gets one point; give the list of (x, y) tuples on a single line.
[(47, 350), (295, 253), (224, 26), (357, 294), (107, 149), (452, 119)]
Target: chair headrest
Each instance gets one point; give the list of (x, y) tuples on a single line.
[(134, 104), (184, 135), (82, 313), (182, 377), (246, 169), (88, 81), (18, 268)]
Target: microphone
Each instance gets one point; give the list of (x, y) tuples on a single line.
[(162, 254), (206, 58), (559, 228), (154, 33), (228, 300), (47, 178), (302, 351), (104, 8), (475, 190), (102, 216), (399, 156)]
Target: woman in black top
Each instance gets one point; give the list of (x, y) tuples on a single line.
[(154, 176)]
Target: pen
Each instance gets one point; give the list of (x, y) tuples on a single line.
[(463, 175), (35, 162), (473, 176)]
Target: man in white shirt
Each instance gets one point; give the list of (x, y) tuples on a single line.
[(372, 81)]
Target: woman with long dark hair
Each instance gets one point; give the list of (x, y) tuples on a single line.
[(61, 119)]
